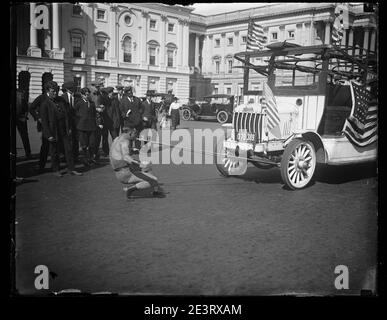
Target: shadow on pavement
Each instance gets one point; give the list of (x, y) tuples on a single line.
[(28, 169), (324, 173), (345, 173)]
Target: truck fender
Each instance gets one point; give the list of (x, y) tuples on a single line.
[(313, 137)]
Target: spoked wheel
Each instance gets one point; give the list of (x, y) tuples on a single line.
[(298, 164), (227, 162), (222, 116), (186, 114)]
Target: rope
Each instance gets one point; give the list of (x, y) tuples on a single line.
[(205, 152)]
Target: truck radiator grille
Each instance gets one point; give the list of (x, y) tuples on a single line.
[(248, 123)]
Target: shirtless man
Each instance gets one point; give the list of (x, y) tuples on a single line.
[(128, 170)]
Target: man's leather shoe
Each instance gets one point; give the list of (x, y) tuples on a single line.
[(58, 174), (76, 173)]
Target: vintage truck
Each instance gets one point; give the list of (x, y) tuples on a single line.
[(326, 97)]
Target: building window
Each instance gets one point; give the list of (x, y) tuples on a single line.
[(127, 48), (217, 42), (171, 52), (77, 10), (128, 19), (230, 41), (101, 49), (101, 15), (171, 27), (216, 90), (170, 57), (274, 36), (291, 34), (244, 39), (228, 90), (152, 56), (152, 24), (217, 66), (76, 44), (229, 64)]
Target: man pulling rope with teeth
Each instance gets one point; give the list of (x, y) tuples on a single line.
[(134, 174)]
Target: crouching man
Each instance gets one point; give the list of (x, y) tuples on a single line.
[(129, 171)]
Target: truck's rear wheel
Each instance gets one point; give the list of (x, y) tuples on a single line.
[(298, 164)]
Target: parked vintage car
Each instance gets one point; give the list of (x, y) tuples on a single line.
[(326, 97), (216, 106)]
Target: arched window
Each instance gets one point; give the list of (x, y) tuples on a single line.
[(101, 43), (127, 48), (77, 39), (217, 60), (153, 51), (171, 54)]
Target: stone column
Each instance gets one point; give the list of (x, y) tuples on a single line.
[(185, 43), (366, 38), (180, 43), (113, 52), (33, 49), (205, 56), (196, 51), (144, 40), (164, 25), (55, 25), (327, 32), (350, 40), (344, 38), (373, 37), (223, 60)]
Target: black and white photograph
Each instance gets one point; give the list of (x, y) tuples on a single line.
[(202, 149)]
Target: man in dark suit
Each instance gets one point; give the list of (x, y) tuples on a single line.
[(68, 96), (21, 120), (149, 113), (111, 118), (56, 127), (87, 125), (131, 112), (34, 110)]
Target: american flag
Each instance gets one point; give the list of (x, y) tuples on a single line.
[(338, 29), (255, 37), (361, 126), (273, 119)]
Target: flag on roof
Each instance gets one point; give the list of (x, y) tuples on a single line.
[(255, 36), (338, 28)]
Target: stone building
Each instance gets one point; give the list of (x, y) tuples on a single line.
[(152, 46), (140, 45), (215, 39)]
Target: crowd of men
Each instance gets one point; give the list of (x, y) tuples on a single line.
[(75, 122)]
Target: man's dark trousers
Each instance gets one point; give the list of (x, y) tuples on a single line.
[(54, 148), (23, 131)]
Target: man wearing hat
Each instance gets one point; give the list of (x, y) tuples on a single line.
[(68, 96), (131, 112), (149, 112), (56, 127), (87, 125), (110, 118), (120, 90)]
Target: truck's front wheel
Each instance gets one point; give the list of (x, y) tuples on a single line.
[(298, 164)]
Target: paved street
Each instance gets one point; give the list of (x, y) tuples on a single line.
[(211, 235)]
